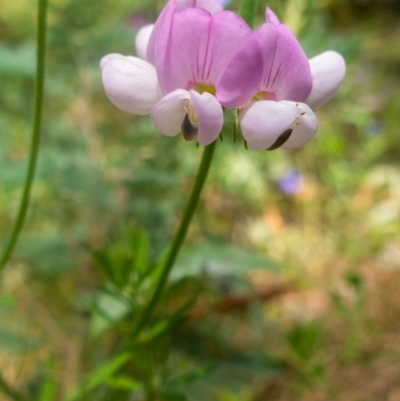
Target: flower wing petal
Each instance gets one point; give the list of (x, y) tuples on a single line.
[(210, 116), (142, 40), (130, 83), (328, 70), (243, 75), (264, 121), (167, 115), (305, 131)]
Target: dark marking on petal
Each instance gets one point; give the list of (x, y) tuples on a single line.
[(189, 130), (282, 138)]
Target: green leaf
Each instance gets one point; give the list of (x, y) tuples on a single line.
[(173, 396), (103, 261), (110, 308), (123, 383), (188, 378), (248, 11), (100, 376), (219, 258), (48, 390)]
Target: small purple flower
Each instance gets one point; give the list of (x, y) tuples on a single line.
[(291, 182)]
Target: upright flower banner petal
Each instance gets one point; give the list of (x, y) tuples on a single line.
[(198, 47)]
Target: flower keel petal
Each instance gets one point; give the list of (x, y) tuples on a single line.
[(305, 130), (265, 121), (210, 116), (168, 114)]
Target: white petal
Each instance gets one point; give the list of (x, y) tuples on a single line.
[(168, 114), (264, 121), (305, 131), (212, 6), (142, 40), (110, 57), (210, 116), (328, 70), (130, 83)]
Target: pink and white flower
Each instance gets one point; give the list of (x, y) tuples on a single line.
[(198, 58), (190, 48), (284, 87)]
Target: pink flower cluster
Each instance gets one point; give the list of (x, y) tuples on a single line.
[(198, 58)]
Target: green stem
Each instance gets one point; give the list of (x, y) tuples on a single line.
[(248, 11), (10, 392), (37, 124), (180, 235)]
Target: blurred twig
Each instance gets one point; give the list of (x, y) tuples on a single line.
[(10, 392)]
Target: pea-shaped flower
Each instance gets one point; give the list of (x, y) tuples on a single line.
[(282, 85), (186, 54), (190, 49)]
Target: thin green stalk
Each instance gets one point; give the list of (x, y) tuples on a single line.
[(180, 235), (37, 125), (6, 389)]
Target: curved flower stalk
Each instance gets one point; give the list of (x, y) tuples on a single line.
[(284, 87)]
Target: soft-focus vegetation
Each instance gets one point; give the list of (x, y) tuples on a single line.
[(281, 293)]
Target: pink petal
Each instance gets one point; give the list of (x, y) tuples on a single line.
[(130, 83), (167, 115), (186, 43), (199, 48), (305, 131), (142, 40), (264, 121), (328, 70), (290, 76), (160, 36), (210, 116), (243, 75), (271, 17)]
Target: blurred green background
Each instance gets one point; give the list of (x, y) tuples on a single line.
[(294, 256)]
